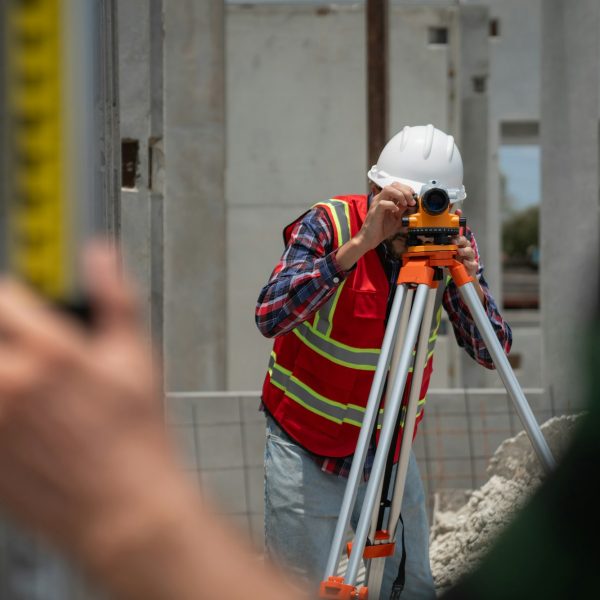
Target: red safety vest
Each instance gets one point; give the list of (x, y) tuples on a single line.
[(320, 373)]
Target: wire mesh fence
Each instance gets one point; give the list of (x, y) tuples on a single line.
[(220, 439)]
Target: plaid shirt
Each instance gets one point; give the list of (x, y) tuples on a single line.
[(308, 274)]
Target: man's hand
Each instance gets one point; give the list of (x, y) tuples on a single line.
[(80, 415), (466, 255), (383, 220)]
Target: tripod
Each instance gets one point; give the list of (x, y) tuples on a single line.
[(408, 325)]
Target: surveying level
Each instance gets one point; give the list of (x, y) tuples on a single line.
[(408, 327), (432, 217), (48, 142)]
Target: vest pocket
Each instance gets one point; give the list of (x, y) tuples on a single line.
[(369, 305)]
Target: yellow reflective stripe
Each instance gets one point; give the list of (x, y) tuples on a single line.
[(342, 215), (380, 418), (438, 321), (273, 363), (416, 417), (341, 218), (310, 399), (360, 409), (324, 317), (304, 404), (316, 394), (339, 210), (372, 351), (336, 222), (419, 402), (362, 359), (333, 307)]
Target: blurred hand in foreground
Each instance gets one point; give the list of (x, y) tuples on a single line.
[(85, 459)]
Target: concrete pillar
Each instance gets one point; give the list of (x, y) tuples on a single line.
[(194, 212), (474, 135), (570, 181), (140, 222), (106, 111), (471, 52)]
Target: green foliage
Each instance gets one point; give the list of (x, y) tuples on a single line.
[(520, 234)]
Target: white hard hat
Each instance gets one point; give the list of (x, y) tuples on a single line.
[(417, 156)]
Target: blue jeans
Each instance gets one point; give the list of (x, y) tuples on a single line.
[(302, 505)]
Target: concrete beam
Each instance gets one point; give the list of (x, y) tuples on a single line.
[(194, 212), (570, 141), (472, 66)]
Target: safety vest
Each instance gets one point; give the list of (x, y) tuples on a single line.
[(320, 373)]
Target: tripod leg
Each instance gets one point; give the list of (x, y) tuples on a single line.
[(411, 412), (375, 578), (508, 377), (362, 445), (385, 438), (397, 353)]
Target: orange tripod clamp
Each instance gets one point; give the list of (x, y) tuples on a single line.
[(335, 587), (419, 264), (376, 550)]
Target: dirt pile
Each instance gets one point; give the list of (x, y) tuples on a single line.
[(460, 537)]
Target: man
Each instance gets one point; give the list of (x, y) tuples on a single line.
[(327, 302)]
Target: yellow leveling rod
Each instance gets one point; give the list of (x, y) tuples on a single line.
[(45, 145)]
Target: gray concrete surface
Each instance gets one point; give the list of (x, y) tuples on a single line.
[(570, 233), (194, 213)]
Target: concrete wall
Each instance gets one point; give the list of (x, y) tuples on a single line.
[(296, 103), (515, 60), (296, 130), (172, 220)]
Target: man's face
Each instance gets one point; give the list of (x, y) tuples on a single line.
[(397, 242)]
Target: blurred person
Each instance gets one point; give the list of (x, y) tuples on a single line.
[(85, 459), (326, 303)]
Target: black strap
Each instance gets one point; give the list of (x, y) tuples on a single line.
[(398, 584)]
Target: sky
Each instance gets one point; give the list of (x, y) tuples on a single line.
[(521, 165)]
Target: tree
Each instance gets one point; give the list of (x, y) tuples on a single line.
[(520, 236)]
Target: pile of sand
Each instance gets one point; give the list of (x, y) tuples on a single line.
[(459, 538)]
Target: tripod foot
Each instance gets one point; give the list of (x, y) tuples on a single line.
[(335, 587)]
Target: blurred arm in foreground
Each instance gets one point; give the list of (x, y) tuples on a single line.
[(86, 461)]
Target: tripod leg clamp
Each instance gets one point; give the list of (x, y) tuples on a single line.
[(375, 550), (335, 587)]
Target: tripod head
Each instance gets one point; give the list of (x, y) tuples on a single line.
[(432, 219)]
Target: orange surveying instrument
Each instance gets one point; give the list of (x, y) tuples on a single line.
[(405, 346)]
